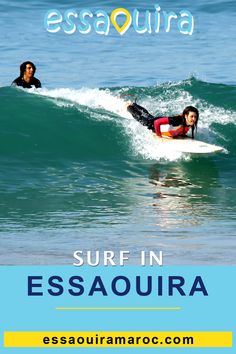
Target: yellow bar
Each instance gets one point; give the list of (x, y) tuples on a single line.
[(117, 339)]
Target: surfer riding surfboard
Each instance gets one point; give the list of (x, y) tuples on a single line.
[(172, 131)]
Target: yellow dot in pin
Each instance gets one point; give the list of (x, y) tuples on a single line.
[(120, 11)]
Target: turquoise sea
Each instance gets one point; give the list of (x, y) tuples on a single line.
[(78, 173)]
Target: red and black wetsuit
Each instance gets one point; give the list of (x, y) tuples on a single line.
[(176, 125)]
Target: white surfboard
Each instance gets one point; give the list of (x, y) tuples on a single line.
[(188, 145)]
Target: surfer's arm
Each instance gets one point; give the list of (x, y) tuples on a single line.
[(157, 124)]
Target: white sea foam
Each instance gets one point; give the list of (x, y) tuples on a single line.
[(92, 98), (141, 139)]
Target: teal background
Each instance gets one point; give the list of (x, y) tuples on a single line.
[(215, 312)]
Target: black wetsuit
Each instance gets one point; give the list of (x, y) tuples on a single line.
[(142, 115), (21, 82)]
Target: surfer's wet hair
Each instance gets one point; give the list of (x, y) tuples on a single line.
[(191, 109), (186, 112), (23, 67)]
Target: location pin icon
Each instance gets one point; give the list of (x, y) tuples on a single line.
[(120, 11)]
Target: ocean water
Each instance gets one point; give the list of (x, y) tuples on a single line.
[(77, 172)]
